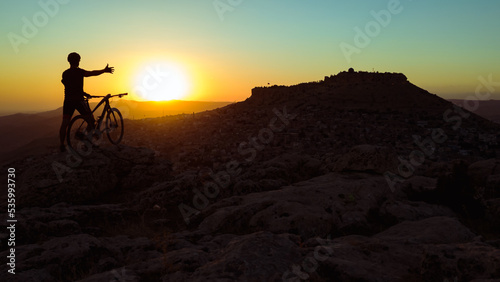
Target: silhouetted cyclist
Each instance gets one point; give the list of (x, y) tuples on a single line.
[(74, 95)]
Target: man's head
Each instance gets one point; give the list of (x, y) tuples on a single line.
[(74, 59)]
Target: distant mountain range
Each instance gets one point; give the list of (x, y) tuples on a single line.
[(488, 109), (24, 134), (139, 109)]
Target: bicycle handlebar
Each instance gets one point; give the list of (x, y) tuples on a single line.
[(109, 95)]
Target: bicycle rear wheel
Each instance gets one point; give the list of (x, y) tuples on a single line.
[(77, 136), (114, 126)]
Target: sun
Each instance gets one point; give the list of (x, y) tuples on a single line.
[(161, 81)]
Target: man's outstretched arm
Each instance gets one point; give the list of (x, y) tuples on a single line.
[(99, 72)]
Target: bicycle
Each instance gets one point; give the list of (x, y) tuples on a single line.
[(82, 134)]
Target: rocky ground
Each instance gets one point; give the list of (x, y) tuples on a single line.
[(296, 208), (116, 217)]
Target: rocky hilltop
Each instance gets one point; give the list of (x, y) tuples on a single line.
[(359, 90), (358, 177)]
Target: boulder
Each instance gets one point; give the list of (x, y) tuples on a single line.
[(434, 230), (481, 170)]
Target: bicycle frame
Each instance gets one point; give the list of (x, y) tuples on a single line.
[(106, 108), (100, 118)]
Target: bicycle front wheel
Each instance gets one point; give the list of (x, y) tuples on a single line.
[(77, 136), (114, 126)]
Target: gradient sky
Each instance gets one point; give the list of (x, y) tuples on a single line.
[(441, 46)]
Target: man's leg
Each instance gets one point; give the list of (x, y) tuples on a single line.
[(84, 109), (89, 118), (68, 110), (62, 132)]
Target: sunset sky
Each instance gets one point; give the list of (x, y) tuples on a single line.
[(219, 50)]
